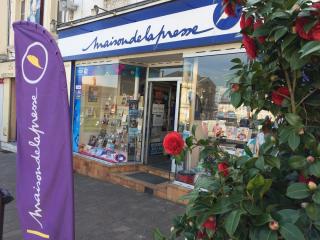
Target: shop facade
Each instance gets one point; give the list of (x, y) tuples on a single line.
[(139, 75)]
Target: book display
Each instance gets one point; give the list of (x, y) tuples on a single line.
[(111, 119)]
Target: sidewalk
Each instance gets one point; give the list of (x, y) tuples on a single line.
[(104, 211)]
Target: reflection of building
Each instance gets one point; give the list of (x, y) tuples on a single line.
[(222, 95)]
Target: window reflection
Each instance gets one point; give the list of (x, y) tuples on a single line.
[(163, 72)]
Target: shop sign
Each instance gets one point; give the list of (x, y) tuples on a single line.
[(173, 25), (44, 157)]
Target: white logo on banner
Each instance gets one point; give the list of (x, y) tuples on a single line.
[(34, 60)]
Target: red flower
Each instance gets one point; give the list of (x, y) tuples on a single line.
[(258, 24), (250, 46), (223, 169), (235, 87), (173, 143), (314, 33), (229, 8), (303, 179), (279, 95), (300, 23), (210, 224), (201, 235), (246, 22)]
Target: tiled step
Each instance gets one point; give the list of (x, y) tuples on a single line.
[(157, 171)]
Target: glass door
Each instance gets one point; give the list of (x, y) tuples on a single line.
[(162, 117)]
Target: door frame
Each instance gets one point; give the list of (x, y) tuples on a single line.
[(147, 110)]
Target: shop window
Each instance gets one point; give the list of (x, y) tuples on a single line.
[(164, 72), (108, 109), (205, 103)]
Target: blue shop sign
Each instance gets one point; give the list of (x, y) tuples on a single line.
[(172, 25)]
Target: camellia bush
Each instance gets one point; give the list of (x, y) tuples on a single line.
[(275, 194)]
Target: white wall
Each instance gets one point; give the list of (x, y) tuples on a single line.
[(1, 108), (85, 6)]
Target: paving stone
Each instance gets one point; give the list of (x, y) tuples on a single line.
[(104, 211)]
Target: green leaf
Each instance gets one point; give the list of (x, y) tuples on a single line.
[(189, 141), (236, 60), (267, 234), (284, 134), (316, 197), (280, 33), (309, 140), (260, 163), (251, 208), (208, 183), (256, 182), (259, 185), (313, 211), (180, 158), (297, 162), (294, 141), (298, 191), (310, 47), (266, 187), (280, 15), (252, 2), (236, 99), (288, 215), (232, 222), (262, 219), (314, 169), (290, 231), (222, 206), (273, 162), (157, 235), (318, 149), (287, 41), (293, 119), (248, 151), (263, 233)]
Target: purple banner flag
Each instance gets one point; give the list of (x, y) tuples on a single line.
[(44, 158)]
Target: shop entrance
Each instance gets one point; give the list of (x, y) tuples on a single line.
[(162, 117)]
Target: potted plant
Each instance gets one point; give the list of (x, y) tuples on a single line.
[(174, 145), (276, 194)]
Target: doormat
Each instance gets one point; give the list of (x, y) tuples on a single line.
[(147, 177)]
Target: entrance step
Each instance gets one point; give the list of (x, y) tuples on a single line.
[(156, 171), (159, 184), (142, 182)]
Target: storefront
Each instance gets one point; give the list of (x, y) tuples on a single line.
[(144, 73)]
